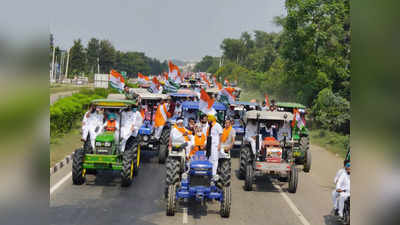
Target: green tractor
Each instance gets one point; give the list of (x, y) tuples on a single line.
[(107, 154), (301, 151)]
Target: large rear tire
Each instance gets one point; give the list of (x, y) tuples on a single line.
[(224, 171), (307, 161), (78, 173), (293, 179), (243, 160), (171, 200), (128, 166), (248, 183), (226, 203), (162, 154)]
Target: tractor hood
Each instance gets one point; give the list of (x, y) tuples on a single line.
[(105, 137)]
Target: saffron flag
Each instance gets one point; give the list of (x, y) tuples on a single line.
[(297, 120), (155, 85), (117, 81), (206, 103), (161, 115), (266, 100), (219, 85)]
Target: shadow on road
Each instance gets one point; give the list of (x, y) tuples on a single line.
[(331, 220)]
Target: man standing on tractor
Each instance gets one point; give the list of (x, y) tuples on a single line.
[(180, 135), (251, 133), (227, 137), (128, 121), (215, 131), (161, 118), (204, 124), (91, 124)]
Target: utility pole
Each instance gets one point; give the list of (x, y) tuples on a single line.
[(52, 65), (66, 68), (98, 65)]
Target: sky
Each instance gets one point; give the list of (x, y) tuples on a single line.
[(164, 29)]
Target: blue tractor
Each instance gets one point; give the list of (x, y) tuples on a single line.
[(196, 184)]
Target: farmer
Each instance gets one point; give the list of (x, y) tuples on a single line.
[(251, 134), (215, 131), (342, 191), (199, 140), (227, 138), (179, 135), (204, 124), (112, 125), (91, 124), (128, 119)]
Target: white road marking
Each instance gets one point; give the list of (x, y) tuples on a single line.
[(59, 183), (185, 216), (296, 211)]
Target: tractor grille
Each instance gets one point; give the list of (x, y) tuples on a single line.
[(199, 181), (104, 151)]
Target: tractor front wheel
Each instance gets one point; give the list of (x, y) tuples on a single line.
[(172, 167), (243, 160), (293, 179), (78, 173), (171, 200), (128, 167), (224, 171), (307, 161), (248, 183), (226, 202)]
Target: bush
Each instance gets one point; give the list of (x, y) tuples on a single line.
[(65, 112)]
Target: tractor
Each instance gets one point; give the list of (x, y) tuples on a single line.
[(274, 158), (107, 154), (301, 137)]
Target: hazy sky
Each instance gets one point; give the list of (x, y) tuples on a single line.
[(165, 29)]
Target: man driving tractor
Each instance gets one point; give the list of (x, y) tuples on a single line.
[(179, 135)]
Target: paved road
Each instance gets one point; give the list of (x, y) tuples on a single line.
[(103, 201)]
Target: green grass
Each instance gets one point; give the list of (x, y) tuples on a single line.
[(64, 145), (331, 141)]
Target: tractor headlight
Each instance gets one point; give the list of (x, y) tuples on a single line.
[(145, 138), (107, 144), (184, 176), (98, 143)]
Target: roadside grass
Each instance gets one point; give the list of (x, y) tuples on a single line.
[(331, 141), (64, 145)]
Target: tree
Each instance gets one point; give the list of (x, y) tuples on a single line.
[(92, 54), (106, 56), (77, 59), (206, 63)]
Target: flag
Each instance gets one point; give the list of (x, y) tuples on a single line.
[(117, 81), (206, 103), (226, 82), (204, 77), (297, 120), (161, 115), (165, 76), (266, 100), (219, 85), (174, 73), (142, 79), (155, 85), (214, 79), (228, 93)]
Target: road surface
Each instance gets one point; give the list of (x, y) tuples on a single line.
[(102, 201)]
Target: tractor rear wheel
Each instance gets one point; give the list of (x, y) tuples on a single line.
[(243, 160), (132, 146), (162, 153), (224, 171), (293, 179), (128, 166), (171, 200), (307, 161), (78, 173), (226, 202), (248, 183)]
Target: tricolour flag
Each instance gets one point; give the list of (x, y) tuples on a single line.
[(206, 103), (174, 73), (117, 81), (228, 93), (219, 85), (142, 79), (161, 116), (155, 85), (297, 120)]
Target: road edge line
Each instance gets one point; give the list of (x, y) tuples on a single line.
[(292, 206), (59, 183)]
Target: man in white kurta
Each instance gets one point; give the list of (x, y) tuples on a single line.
[(343, 188), (128, 118), (215, 133)]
